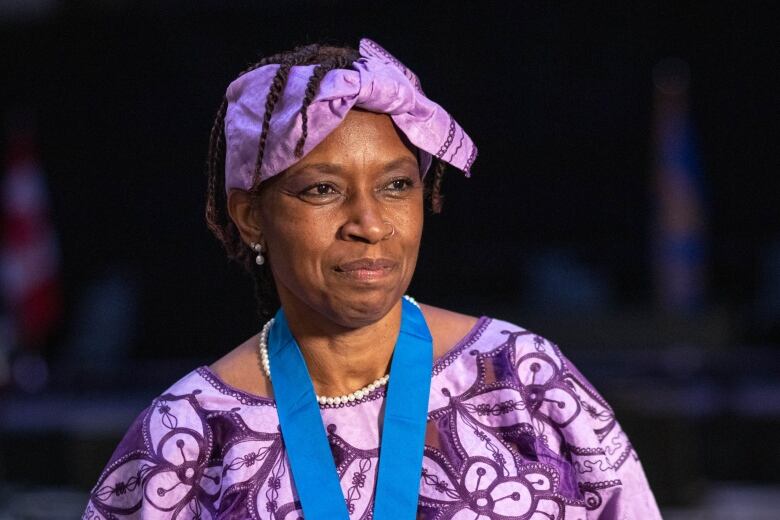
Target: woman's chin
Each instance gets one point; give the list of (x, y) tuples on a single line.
[(363, 308)]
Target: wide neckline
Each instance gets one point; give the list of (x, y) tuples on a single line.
[(438, 365)]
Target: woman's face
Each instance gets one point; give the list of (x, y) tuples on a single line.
[(342, 227)]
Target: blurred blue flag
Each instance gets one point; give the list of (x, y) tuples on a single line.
[(679, 223)]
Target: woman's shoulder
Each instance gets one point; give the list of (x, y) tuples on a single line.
[(225, 385), (447, 327), (240, 369), (496, 353), (452, 331), (511, 395), (172, 440)]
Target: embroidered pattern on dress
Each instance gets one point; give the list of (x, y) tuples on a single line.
[(501, 449)]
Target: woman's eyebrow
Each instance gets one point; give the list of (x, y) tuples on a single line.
[(320, 168), (334, 168), (400, 162)]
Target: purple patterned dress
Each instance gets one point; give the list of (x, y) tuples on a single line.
[(514, 432)]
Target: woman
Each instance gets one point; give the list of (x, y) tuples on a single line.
[(354, 401)]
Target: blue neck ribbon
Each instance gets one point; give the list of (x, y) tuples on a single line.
[(403, 434)]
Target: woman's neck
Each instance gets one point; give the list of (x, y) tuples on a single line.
[(340, 359)]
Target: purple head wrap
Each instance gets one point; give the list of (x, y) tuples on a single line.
[(378, 83)]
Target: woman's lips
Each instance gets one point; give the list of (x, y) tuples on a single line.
[(367, 269)]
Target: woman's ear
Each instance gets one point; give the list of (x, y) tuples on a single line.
[(243, 212)]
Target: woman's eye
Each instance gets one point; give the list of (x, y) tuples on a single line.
[(319, 190), (400, 184)]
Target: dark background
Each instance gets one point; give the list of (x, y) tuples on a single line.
[(558, 97)]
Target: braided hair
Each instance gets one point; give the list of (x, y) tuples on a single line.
[(326, 58)]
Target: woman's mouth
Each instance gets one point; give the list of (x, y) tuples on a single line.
[(366, 269)]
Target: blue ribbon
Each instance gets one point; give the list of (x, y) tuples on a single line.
[(403, 432)]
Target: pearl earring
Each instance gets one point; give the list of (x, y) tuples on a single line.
[(258, 248)]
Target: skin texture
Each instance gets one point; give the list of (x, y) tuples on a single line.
[(356, 195)]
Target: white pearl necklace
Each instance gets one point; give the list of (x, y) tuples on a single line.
[(323, 400)]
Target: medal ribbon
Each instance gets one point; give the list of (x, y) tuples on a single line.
[(403, 432)]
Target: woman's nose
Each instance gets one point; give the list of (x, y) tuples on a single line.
[(364, 219)]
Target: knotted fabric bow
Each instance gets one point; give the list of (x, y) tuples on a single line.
[(378, 83)]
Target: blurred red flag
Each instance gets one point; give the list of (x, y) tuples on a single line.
[(29, 253)]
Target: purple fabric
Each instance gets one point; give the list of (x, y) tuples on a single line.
[(514, 431), (379, 83)]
